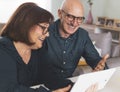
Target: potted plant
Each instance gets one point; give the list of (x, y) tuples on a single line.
[(90, 2)]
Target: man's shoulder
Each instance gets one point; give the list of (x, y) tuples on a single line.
[(81, 32)]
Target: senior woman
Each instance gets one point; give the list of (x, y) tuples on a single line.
[(22, 36)]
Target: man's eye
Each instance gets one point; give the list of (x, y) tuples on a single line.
[(70, 16)]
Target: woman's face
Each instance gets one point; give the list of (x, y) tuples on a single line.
[(38, 34)]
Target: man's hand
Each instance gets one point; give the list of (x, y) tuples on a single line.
[(101, 64), (65, 89)]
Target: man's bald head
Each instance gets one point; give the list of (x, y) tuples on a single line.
[(71, 15), (73, 6)]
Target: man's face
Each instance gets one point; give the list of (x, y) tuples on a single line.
[(70, 20)]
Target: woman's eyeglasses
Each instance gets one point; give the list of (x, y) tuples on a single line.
[(72, 17), (43, 28)]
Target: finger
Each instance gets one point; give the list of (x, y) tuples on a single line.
[(99, 67), (95, 87), (67, 88), (92, 88), (105, 57), (103, 61), (101, 64)]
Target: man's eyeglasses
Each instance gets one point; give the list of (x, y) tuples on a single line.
[(72, 17), (43, 28)]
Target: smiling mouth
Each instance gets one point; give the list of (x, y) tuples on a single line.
[(41, 39), (71, 26)]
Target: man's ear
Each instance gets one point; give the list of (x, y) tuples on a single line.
[(59, 13)]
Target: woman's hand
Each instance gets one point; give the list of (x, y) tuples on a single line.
[(65, 89), (92, 88)]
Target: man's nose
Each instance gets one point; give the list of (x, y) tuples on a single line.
[(75, 22)]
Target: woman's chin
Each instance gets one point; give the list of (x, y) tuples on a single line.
[(40, 46), (37, 47)]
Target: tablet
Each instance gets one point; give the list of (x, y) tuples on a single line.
[(86, 80)]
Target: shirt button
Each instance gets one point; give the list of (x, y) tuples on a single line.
[(64, 52), (64, 62), (62, 71)]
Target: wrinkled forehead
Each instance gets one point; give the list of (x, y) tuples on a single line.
[(73, 8), (74, 11)]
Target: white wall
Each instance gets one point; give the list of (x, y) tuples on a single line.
[(113, 9), (98, 8), (7, 7), (55, 6), (108, 8)]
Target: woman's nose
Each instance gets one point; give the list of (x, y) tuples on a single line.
[(47, 34)]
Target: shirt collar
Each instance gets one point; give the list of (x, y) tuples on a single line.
[(57, 34)]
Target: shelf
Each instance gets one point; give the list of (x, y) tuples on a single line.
[(114, 31), (116, 41), (109, 28)]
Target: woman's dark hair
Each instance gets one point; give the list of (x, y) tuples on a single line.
[(26, 16)]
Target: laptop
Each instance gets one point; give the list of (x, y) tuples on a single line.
[(86, 80)]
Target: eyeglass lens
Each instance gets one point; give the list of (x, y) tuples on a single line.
[(71, 17), (43, 28)]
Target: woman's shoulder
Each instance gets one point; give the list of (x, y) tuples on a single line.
[(5, 42)]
